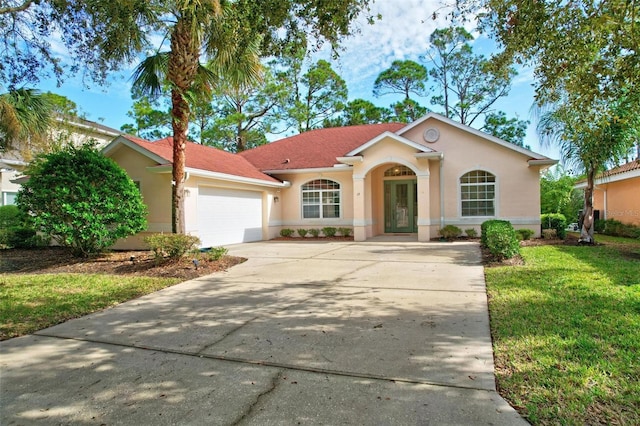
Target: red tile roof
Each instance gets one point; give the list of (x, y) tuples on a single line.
[(632, 165), (204, 158), (315, 148)]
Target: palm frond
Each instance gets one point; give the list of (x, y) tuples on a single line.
[(151, 74), (24, 114)]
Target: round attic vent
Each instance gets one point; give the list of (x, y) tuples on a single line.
[(431, 134)]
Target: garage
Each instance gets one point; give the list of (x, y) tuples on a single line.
[(228, 216)]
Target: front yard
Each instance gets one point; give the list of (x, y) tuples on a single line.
[(566, 332)]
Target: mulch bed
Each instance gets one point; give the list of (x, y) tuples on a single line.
[(141, 263)]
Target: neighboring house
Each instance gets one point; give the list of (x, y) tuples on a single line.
[(377, 179), (617, 193), (76, 131)]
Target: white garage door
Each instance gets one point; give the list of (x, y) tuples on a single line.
[(229, 216)]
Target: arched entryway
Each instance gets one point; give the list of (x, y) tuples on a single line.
[(400, 200)]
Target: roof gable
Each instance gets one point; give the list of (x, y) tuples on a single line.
[(315, 148), (485, 136), (198, 157), (393, 136)]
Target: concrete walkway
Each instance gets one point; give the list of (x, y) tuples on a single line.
[(303, 333)]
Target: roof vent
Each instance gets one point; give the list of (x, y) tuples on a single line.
[(286, 160)]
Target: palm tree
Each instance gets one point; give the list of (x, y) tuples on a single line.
[(588, 140), (210, 28), (25, 115)]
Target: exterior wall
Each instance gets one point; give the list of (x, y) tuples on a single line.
[(7, 188), (287, 213), (156, 193), (619, 200), (517, 184)]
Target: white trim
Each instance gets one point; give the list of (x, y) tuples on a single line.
[(618, 177), (477, 220), (392, 136), (340, 202), (473, 131), (385, 160), (350, 160), (430, 155), (9, 163), (235, 178), (95, 127), (496, 199), (122, 140), (548, 162), (309, 170)]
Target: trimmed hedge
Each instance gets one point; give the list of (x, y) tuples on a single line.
[(450, 232), (500, 238), (555, 221), (617, 229)]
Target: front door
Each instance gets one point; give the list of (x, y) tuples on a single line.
[(400, 206)]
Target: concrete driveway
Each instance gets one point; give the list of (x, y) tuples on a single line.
[(378, 333)]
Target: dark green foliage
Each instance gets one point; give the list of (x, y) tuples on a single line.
[(314, 232), (617, 229), (502, 240), (173, 246), (450, 232), (525, 234), (329, 231), (487, 224), (286, 232), (345, 232), (302, 232), (555, 221), (10, 216), (82, 200), (598, 225), (471, 233)]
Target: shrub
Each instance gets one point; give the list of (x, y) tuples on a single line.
[(487, 224), (549, 234), (216, 253), (555, 221), (286, 232), (525, 234), (81, 199), (172, 245), (502, 240), (471, 233), (24, 237), (345, 232), (10, 216), (314, 232), (599, 225), (302, 232), (619, 229), (329, 231), (450, 232)]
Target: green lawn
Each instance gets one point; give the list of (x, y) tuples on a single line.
[(33, 302), (566, 332)]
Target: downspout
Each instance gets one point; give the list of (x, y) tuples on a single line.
[(441, 193)]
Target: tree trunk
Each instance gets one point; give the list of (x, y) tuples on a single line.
[(586, 233), (181, 72)]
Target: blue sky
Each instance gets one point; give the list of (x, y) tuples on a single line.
[(402, 33)]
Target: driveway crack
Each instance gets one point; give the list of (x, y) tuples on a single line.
[(227, 334), (275, 380)]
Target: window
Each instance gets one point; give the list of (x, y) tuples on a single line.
[(8, 198), (321, 199), (399, 171), (478, 193)]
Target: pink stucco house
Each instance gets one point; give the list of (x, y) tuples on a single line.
[(377, 179)]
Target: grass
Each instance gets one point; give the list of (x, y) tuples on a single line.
[(32, 302), (566, 332)]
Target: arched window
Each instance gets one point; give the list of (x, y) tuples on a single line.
[(321, 199), (478, 193), (399, 170)]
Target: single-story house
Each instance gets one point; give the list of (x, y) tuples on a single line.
[(617, 193), (377, 179)]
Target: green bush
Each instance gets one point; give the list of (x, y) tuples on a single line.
[(471, 233), (216, 253), (450, 232), (599, 225), (302, 232), (525, 234), (173, 246), (555, 221), (345, 232), (24, 237), (502, 240), (488, 224), (314, 232), (81, 199), (286, 232), (329, 231), (10, 216), (618, 229)]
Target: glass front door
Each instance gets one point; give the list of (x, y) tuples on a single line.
[(400, 206)]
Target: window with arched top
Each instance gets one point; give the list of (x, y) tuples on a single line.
[(399, 171), (478, 193), (321, 199)]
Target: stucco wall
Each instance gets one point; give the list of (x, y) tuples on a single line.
[(622, 200)]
